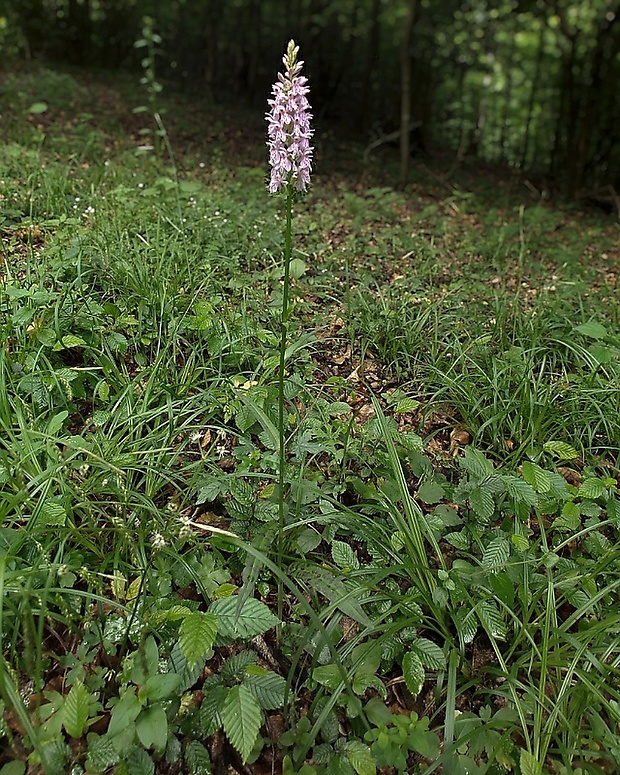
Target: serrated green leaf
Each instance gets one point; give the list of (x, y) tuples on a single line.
[(211, 488), (75, 710), (459, 539), (52, 514), (197, 759), (178, 664), (476, 463), (344, 556), (324, 581), (561, 450), (413, 672), (406, 405), (269, 689), (536, 476), (244, 418), (139, 762), (482, 502), (466, 624), (529, 764), (117, 342), (592, 488), (197, 635), (491, 619), (101, 753), (496, 554), (253, 619), (211, 709), (520, 490), (360, 757), (431, 655), (242, 718), (152, 727)]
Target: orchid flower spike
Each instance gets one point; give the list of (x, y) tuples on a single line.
[(289, 132)]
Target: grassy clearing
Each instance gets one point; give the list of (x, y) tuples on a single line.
[(450, 548)]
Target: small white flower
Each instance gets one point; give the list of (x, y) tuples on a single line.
[(158, 541)]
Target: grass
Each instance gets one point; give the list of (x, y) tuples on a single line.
[(448, 546)]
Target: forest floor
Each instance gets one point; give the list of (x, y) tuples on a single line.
[(440, 591)]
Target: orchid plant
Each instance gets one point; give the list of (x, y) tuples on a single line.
[(290, 157)]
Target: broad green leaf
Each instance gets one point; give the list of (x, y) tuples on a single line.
[(308, 540), (197, 635), (360, 757), (197, 759), (431, 655), (496, 554), (55, 424), (561, 450), (297, 268), (253, 619), (529, 764), (146, 659), (413, 672), (521, 542), (602, 353), (158, 687), (75, 710), (536, 476), (241, 717), (344, 556), (126, 710), (268, 688), (592, 488), (421, 740), (117, 342), (68, 341), (431, 492), (569, 519), (328, 675), (152, 727), (592, 329), (235, 667), (482, 502), (38, 107)]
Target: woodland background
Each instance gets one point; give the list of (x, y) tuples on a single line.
[(531, 84)]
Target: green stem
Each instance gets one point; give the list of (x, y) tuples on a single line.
[(288, 239)]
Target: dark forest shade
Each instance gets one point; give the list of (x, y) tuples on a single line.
[(529, 84)]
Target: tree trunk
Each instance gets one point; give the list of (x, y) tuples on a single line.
[(405, 91)]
